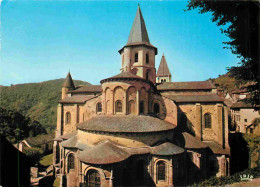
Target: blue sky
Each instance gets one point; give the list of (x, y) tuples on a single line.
[(43, 40)]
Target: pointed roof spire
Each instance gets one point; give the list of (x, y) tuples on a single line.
[(138, 32), (68, 83), (163, 69)]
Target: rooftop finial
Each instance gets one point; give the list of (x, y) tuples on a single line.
[(138, 4)]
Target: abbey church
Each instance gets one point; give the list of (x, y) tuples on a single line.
[(138, 128)]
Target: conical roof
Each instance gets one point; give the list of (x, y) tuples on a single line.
[(163, 69), (167, 148), (138, 32), (68, 83), (103, 153)]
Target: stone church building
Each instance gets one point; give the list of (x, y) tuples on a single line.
[(138, 128)]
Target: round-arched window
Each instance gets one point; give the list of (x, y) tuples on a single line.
[(136, 57), (161, 171), (99, 107), (71, 162), (147, 58), (207, 119), (118, 106), (93, 178), (68, 118)]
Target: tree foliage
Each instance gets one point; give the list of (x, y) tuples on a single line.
[(239, 20), (16, 127), (33, 153)]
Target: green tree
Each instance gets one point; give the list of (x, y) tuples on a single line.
[(239, 20)]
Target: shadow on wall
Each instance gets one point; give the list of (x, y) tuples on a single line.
[(239, 152)]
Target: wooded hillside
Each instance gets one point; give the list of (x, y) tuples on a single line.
[(35, 100)]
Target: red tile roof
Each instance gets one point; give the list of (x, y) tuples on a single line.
[(77, 99), (88, 89), (129, 123), (194, 98), (196, 85), (241, 104)]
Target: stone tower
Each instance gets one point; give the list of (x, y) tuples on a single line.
[(163, 73), (138, 55), (67, 86)]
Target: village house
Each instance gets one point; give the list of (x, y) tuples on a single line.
[(138, 128)]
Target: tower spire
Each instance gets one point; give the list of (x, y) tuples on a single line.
[(138, 32), (163, 72), (68, 83)]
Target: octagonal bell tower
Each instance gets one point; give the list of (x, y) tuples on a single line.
[(138, 55)]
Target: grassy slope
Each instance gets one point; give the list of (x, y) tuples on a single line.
[(36, 100)]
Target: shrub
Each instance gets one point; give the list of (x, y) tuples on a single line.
[(34, 154)]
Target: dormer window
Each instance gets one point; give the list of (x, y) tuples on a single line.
[(147, 58), (136, 57)]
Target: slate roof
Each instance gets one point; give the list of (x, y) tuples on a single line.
[(196, 85), (68, 83), (66, 136), (195, 98), (163, 69), (190, 142), (138, 32), (167, 149), (72, 142), (216, 148), (40, 139), (77, 99), (128, 124), (88, 89), (103, 153)]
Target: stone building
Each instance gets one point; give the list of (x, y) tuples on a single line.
[(130, 131)]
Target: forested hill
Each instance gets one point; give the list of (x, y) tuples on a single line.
[(227, 83), (35, 100)]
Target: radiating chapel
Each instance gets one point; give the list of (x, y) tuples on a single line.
[(138, 128)]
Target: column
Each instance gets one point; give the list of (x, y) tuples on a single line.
[(220, 124), (198, 125), (113, 102), (170, 177), (225, 126), (137, 102), (59, 130), (127, 59), (125, 102)]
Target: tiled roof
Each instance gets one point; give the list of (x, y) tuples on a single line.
[(195, 98), (125, 74), (216, 148), (40, 139), (88, 89), (77, 99), (163, 69), (68, 82), (241, 104), (167, 149), (103, 153), (190, 142), (196, 85), (129, 123)]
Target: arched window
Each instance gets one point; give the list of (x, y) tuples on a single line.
[(68, 118), (71, 162), (141, 107), (99, 107), (118, 106), (136, 57), (207, 119), (147, 58), (93, 178), (161, 171), (156, 108)]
